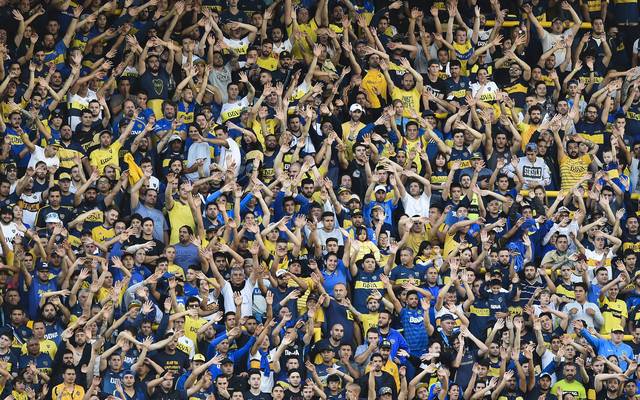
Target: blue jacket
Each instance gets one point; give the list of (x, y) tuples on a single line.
[(606, 348)]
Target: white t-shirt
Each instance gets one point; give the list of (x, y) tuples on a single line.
[(549, 39), (234, 150), (283, 46), (184, 343), (232, 110), (240, 46), (601, 258), (10, 231), (488, 92), (419, 206), (30, 205), (247, 299), (81, 103), (38, 155)]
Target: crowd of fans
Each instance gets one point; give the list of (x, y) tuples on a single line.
[(322, 200)]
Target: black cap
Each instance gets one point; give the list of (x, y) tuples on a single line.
[(428, 113), (447, 317), (226, 361), (385, 343), (285, 54)]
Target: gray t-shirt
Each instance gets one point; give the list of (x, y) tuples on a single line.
[(220, 78), (159, 223)]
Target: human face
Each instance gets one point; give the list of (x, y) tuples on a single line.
[(69, 376)]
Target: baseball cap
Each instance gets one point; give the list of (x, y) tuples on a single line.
[(285, 54), (199, 357), (52, 218), (127, 372), (280, 273), (446, 317), (385, 343), (135, 303), (43, 267), (357, 212), (476, 156), (343, 189), (384, 390), (428, 113), (354, 197), (617, 328), (55, 114), (356, 107), (380, 187), (63, 176), (226, 361), (563, 209), (175, 137), (544, 375), (532, 147)]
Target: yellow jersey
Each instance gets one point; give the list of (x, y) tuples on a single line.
[(410, 100), (100, 158), (180, 215)]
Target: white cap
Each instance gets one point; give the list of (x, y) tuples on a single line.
[(52, 218), (355, 107), (380, 187), (175, 137)]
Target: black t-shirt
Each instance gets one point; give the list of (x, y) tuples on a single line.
[(515, 394), (156, 85), (160, 394), (172, 362), (381, 381), (358, 178), (156, 250), (289, 395), (536, 393), (237, 382), (605, 395), (65, 214), (260, 396)]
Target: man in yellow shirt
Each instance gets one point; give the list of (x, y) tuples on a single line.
[(68, 390), (107, 154), (266, 59), (573, 165), (411, 90), (179, 209), (373, 83), (46, 345), (351, 128), (105, 231), (297, 19)]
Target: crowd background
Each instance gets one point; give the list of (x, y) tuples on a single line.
[(331, 200)]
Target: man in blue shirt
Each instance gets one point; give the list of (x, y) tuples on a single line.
[(606, 348)]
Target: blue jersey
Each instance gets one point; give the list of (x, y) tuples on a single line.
[(402, 274), (36, 291), (414, 331), (364, 285), (109, 380), (42, 361)]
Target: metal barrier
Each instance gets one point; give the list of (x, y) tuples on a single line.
[(554, 193), (511, 24)]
